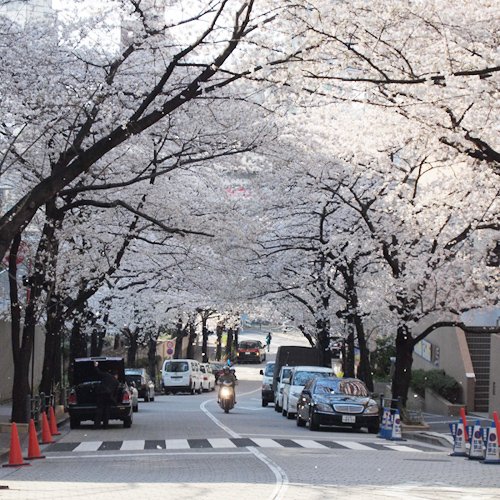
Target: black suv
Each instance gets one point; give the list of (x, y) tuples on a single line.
[(86, 387), (142, 382)]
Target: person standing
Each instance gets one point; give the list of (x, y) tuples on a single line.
[(106, 395)]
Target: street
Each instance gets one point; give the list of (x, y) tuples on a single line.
[(185, 447)]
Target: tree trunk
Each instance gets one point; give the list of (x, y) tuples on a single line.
[(348, 367), (51, 371), (229, 344), (218, 352), (404, 361), (180, 334), (364, 371), (152, 358), (192, 340)]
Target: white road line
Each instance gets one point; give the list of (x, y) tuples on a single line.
[(221, 443), (308, 443), (88, 446), (398, 447), (158, 454), (266, 443), (281, 487), (177, 444), (352, 445), (132, 445)]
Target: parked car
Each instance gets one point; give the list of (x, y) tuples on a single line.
[(337, 402), (181, 375), (293, 385), (208, 378), (217, 369), (251, 351), (82, 403), (267, 383), (142, 382), (278, 393)]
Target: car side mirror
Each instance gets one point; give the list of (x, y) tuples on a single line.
[(262, 372)]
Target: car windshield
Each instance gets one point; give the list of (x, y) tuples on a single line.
[(301, 378), (345, 387), (249, 345), (176, 366), (269, 370)]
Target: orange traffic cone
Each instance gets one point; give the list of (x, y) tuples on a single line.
[(33, 448), (53, 423), (15, 457), (46, 435)]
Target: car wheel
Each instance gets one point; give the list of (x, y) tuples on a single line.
[(277, 407), (300, 421), (200, 389), (289, 415), (264, 403), (74, 423), (284, 412), (313, 421), (127, 422)]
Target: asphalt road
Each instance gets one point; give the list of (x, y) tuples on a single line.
[(185, 447)]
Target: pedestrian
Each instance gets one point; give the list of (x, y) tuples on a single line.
[(106, 395), (268, 341)]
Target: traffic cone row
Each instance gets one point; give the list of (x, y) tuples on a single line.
[(15, 456), (391, 426), (480, 443)]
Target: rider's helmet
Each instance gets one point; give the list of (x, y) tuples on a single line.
[(226, 369)]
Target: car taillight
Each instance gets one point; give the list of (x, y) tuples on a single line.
[(205, 378), (72, 398), (126, 397)]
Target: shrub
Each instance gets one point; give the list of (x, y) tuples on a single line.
[(438, 381)]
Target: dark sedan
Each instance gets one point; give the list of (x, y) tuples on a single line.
[(337, 402)]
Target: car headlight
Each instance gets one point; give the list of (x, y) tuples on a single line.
[(371, 409), (323, 407)]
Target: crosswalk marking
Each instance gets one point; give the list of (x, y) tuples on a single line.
[(232, 443), (88, 446), (177, 444), (221, 443), (266, 443), (353, 445), (133, 445), (307, 443)]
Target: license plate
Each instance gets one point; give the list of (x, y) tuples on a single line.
[(348, 419), (247, 353)]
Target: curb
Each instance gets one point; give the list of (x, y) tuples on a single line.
[(430, 438)]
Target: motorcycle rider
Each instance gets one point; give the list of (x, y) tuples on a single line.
[(230, 379)]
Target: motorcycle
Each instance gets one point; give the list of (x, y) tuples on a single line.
[(226, 396)]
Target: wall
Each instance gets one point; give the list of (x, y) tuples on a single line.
[(495, 376), (446, 349), (7, 362)]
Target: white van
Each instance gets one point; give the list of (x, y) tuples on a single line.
[(298, 378), (181, 375), (267, 383), (278, 394)]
